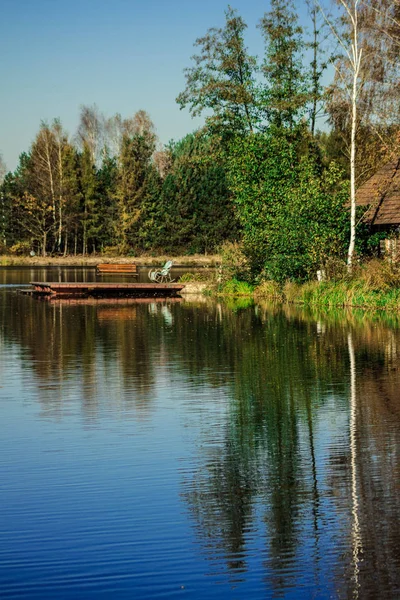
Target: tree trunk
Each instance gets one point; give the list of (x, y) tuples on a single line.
[(84, 242), (315, 76), (50, 172), (60, 199), (350, 256), (44, 243), (356, 63)]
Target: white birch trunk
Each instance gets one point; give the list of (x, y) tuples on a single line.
[(356, 54), (60, 199), (354, 57), (350, 255), (51, 180)]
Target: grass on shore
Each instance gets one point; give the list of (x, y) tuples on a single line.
[(375, 285), (195, 260), (372, 286), (341, 293)]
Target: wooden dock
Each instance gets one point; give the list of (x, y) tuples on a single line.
[(117, 269), (104, 290)]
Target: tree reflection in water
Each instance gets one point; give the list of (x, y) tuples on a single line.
[(292, 379), (298, 477)]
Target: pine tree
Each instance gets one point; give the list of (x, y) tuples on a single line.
[(286, 93), (107, 205), (88, 185), (134, 167), (200, 214)]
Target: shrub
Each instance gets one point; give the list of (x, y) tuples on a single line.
[(335, 269), (233, 287), (292, 291), (111, 251), (234, 264), (379, 274), (199, 276), (268, 290), (20, 248)]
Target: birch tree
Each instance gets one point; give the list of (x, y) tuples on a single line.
[(60, 141), (3, 169), (48, 182), (354, 53), (90, 132), (359, 74), (116, 129), (44, 165)]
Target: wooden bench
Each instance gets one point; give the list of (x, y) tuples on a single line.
[(116, 269)]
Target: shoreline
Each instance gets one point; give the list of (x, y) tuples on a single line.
[(341, 295), (328, 295)]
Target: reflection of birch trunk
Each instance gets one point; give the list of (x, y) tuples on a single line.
[(316, 500), (356, 531)]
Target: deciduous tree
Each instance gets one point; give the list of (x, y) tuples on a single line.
[(286, 93), (222, 79), (292, 217), (91, 131), (3, 169)]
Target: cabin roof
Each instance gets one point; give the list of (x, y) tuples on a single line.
[(382, 194)]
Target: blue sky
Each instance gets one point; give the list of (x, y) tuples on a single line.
[(123, 55)]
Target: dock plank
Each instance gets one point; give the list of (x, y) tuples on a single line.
[(106, 289)]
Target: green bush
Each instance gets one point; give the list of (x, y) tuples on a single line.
[(233, 287), (292, 212)]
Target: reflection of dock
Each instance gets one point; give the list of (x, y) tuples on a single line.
[(104, 290), (118, 302)]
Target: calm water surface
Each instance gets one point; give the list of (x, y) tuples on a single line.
[(194, 449)]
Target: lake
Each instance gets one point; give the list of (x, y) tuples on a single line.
[(195, 449)]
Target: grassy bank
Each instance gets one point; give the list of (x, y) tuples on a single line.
[(329, 294), (354, 294), (195, 260), (375, 285)]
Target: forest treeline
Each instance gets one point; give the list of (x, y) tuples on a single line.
[(259, 172)]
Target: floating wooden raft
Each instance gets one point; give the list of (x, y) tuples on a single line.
[(116, 269), (105, 290)]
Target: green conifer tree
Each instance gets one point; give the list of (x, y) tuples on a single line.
[(286, 93)]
